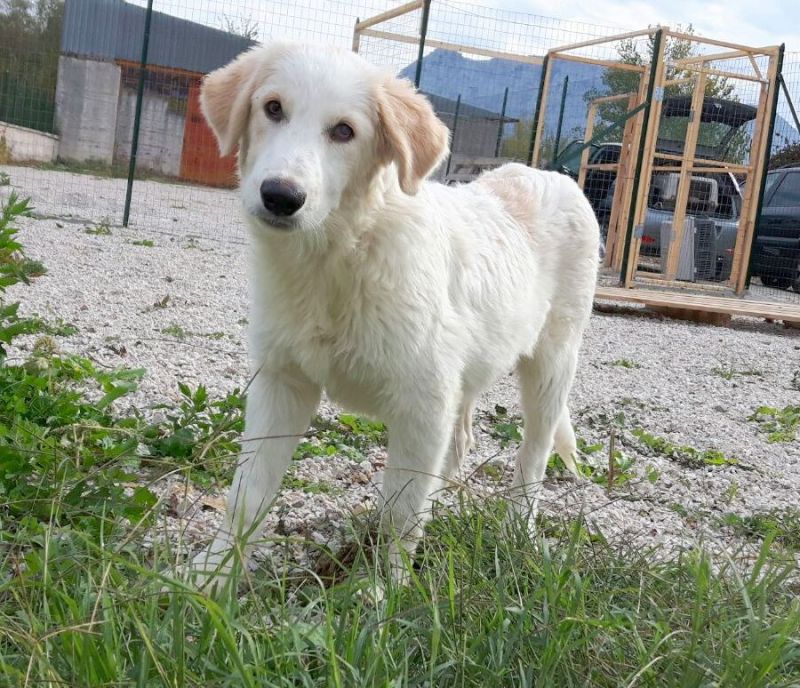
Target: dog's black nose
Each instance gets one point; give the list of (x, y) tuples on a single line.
[(281, 197)]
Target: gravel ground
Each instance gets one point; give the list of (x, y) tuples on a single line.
[(691, 384)]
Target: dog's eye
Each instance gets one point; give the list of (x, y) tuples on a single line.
[(274, 110), (342, 133)]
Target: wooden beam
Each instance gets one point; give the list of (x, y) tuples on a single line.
[(605, 39), (700, 169), (713, 57), (429, 42), (787, 312), (623, 192), (755, 66), (689, 148), (389, 14), (727, 75), (606, 166), (768, 50), (611, 64), (611, 99)]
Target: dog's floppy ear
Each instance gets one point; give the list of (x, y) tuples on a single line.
[(225, 98), (410, 133)]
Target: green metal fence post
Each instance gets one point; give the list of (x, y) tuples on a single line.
[(453, 141), (539, 97), (765, 162), (637, 176), (501, 125), (423, 33), (560, 118), (137, 118)]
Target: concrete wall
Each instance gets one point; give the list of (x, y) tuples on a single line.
[(27, 145), (160, 133), (87, 97)]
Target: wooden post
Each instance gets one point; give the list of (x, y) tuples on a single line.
[(621, 203), (682, 199), (356, 38)]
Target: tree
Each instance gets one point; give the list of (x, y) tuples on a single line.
[(241, 26), (789, 154), (30, 43)]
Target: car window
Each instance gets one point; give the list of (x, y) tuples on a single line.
[(788, 191), (772, 177)]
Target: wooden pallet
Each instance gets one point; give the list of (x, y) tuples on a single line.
[(671, 303)]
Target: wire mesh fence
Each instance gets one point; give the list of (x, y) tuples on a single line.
[(70, 80)]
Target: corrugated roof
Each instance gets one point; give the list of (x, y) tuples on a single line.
[(113, 30)]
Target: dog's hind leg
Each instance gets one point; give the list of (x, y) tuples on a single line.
[(566, 445), (545, 381)]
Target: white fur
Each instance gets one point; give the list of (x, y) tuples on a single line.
[(401, 307)]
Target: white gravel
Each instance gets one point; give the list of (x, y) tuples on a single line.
[(126, 299)]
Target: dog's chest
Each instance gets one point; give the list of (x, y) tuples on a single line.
[(343, 333)]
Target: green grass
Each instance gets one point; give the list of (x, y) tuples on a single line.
[(780, 425), (684, 455), (346, 435), (782, 525), (100, 229), (148, 243), (482, 609), (175, 330), (624, 363), (727, 371)]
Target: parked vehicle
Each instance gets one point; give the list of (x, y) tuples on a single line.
[(714, 201), (776, 251)]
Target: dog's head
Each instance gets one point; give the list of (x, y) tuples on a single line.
[(314, 127)]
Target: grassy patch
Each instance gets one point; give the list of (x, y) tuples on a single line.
[(505, 428), (294, 482), (780, 525), (624, 363), (683, 455), (348, 435), (727, 371), (147, 243), (175, 330), (484, 608), (779, 424), (102, 228), (57, 327)]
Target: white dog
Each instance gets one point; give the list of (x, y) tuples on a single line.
[(402, 299)]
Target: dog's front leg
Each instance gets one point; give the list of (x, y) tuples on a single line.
[(418, 442), (279, 408)]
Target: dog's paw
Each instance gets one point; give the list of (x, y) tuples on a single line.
[(208, 572)]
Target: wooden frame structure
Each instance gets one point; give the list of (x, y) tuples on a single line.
[(365, 28), (639, 157)]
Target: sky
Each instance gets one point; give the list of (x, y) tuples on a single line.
[(756, 23)]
